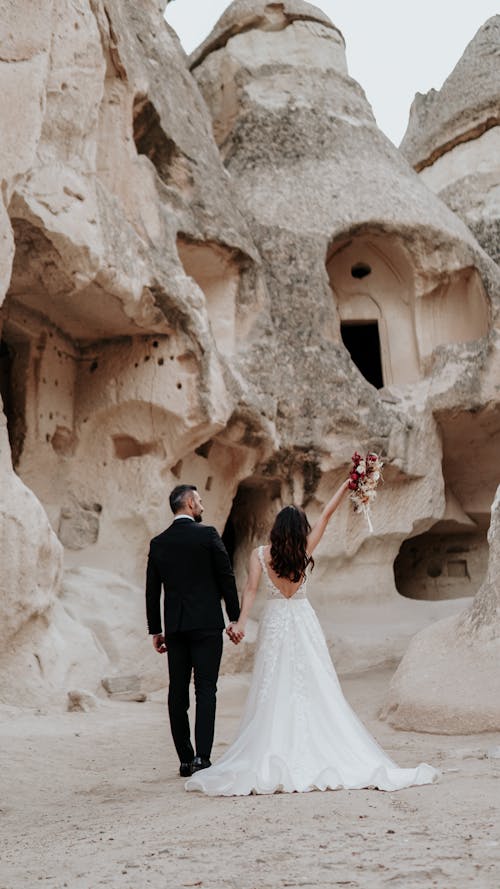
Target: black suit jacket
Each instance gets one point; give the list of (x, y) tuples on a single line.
[(191, 563)]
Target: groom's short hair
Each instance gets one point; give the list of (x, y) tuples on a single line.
[(178, 496)]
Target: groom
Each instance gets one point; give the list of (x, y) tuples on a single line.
[(191, 563)]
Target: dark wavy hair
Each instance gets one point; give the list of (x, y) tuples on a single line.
[(289, 557)]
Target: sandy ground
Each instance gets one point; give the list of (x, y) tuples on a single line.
[(93, 799)]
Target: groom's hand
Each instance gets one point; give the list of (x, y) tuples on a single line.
[(159, 644), (235, 633)]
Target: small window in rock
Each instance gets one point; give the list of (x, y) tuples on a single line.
[(360, 270), (457, 568), (362, 341)]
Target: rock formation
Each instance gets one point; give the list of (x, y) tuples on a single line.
[(453, 137), (110, 369), (230, 277), (348, 238), (449, 680)]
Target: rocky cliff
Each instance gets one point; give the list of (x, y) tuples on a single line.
[(218, 270)]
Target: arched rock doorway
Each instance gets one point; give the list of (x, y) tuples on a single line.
[(394, 310), (372, 278), (252, 514)]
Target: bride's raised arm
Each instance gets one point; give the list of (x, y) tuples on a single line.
[(236, 631), (319, 528)]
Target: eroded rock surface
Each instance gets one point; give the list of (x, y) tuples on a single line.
[(31, 555), (348, 237), (453, 137), (219, 271), (448, 680)]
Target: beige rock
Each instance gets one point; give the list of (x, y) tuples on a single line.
[(459, 110), (81, 701), (449, 681), (189, 263), (453, 138), (94, 629), (124, 688), (113, 338), (348, 237), (31, 555)]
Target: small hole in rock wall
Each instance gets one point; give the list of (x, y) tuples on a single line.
[(177, 469), (204, 449), (360, 270)]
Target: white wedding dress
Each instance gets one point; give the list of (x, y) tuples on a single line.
[(297, 732)]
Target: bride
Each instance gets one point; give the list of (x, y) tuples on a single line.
[(298, 732)]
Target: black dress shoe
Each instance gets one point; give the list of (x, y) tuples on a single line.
[(200, 762), (185, 769)]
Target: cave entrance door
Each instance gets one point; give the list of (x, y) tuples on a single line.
[(362, 341), (252, 514), (14, 358)]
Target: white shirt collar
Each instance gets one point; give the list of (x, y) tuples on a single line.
[(183, 516)]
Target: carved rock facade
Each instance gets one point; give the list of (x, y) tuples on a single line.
[(231, 277)]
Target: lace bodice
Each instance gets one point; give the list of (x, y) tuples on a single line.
[(272, 591)]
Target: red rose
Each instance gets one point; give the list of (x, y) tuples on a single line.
[(352, 485)]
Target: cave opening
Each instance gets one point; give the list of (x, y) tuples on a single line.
[(252, 513), (438, 566), (14, 361), (150, 138), (362, 341)]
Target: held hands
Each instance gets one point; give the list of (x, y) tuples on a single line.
[(159, 643), (235, 632)]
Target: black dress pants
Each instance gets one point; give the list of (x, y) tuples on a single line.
[(189, 651)]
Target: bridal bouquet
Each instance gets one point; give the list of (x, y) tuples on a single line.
[(365, 475)]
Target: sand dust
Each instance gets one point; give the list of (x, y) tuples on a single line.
[(93, 799)]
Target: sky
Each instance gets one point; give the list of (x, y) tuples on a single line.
[(395, 48)]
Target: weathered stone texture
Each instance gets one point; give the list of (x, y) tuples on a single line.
[(466, 105), (182, 255), (453, 137), (31, 555), (449, 681)]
